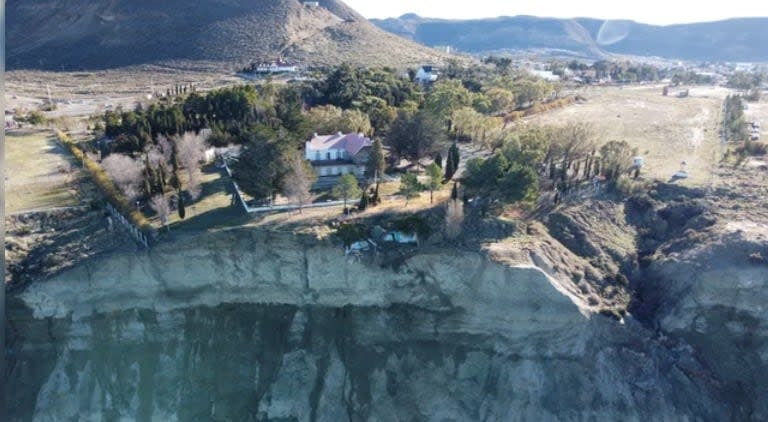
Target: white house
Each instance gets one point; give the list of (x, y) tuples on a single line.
[(426, 74), (338, 154), (278, 66)]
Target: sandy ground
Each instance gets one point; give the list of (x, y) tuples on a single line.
[(665, 130), (39, 174), (86, 93)]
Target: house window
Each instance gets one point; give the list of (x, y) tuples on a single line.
[(329, 155)]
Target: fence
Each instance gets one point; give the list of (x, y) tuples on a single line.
[(286, 207), (137, 234)]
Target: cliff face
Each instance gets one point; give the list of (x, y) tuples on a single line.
[(279, 327), (714, 296)]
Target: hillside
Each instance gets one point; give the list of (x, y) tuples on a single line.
[(728, 40), (100, 34)]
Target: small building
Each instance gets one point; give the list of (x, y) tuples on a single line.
[(278, 66), (338, 154), (311, 4), (427, 74)]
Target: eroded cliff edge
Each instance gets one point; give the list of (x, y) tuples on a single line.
[(512, 332)]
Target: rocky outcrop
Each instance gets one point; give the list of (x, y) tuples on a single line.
[(247, 324), (713, 294)]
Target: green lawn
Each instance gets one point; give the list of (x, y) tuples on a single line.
[(40, 173)]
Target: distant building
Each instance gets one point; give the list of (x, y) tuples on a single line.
[(278, 66), (339, 154), (427, 74), (311, 3)]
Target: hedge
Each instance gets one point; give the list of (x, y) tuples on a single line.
[(107, 186)]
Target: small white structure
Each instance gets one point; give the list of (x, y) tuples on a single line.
[(311, 4), (278, 66), (400, 237), (426, 74), (335, 155)]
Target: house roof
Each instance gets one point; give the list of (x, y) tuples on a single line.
[(351, 142)]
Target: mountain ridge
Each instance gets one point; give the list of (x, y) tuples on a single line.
[(101, 34), (737, 39)]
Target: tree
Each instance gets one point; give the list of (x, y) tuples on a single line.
[(617, 158), (435, 175), (127, 173), (376, 161), (261, 169), (331, 119), (415, 136), (364, 201), (159, 204), (439, 160), (452, 164), (190, 150), (455, 191), (410, 186), (182, 209), (299, 180), (446, 96), (346, 188)]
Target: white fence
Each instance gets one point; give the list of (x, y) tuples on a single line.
[(285, 207), (132, 230)]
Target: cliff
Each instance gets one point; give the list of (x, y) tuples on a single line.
[(278, 326)]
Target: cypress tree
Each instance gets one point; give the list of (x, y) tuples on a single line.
[(363, 201), (439, 160), (450, 167), (455, 191), (456, 156), (182, 211)]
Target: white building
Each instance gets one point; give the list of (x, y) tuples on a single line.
[(426, 74), (338, 154), (278, 66)]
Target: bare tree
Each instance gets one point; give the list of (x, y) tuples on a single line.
[(161, 206), (126, 172), (190, 149), (299, 181)]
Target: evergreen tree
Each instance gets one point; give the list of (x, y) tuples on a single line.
[(363, 201), (439, 160), (450, 167), (435, 174), (454, 150), (376, 164), (182, 210), (455, 191)]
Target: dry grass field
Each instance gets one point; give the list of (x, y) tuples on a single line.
[(39, 172), (665, 130)]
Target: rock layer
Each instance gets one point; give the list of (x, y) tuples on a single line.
[(250, 325)]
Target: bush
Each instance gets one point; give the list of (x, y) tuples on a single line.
[(106, 184)]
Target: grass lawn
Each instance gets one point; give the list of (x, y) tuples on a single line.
[(665, 130), (40, 173), (213, 209)]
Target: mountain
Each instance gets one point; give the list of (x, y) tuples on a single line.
[(98, 34), (728, 40)]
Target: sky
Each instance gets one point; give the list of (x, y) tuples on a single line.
[(658, 12)]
